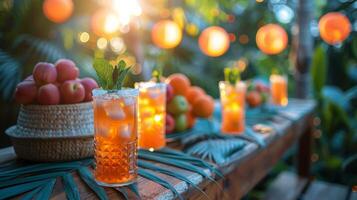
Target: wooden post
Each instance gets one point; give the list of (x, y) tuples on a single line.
[(302, 53), (304, 151), (302, 48)]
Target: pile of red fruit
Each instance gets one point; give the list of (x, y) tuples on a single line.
[(55, 84), (185, 103), (257, 94)]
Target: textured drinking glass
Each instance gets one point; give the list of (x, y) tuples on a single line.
[(279, 90), (232, 102), (151, 116), (115, 138)]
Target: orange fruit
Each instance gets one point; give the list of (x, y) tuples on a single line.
[(179, 82), (193, 93), (58, 11), (191, 119), (203, 106)]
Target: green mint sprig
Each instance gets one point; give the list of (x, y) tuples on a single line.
[(110, 77), (231, 75)]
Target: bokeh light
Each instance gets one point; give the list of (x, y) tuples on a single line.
[(334, 27), (57, 11), (271, 39), (104, 22), (117, 45), (102, 43), (214, 41), (166, 34), (84, 37), (283, 13), (244, 39), (125, 10)]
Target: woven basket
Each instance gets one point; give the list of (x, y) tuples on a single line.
[(53, 133)]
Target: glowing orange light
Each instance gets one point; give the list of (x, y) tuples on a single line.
[(232, 37), (166, 34), (214, 41), (334, 27), (57, 11), (104, 22), (271, 39)]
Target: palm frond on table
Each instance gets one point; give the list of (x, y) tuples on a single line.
[(38, 180), (216, 150)]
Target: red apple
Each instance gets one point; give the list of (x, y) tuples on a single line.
[(72, 92), (26, 92), (66, 70), (261, 87), (170, 124), (89, 84), (29, 78), (48, 95), (169, 93), (44, 73)]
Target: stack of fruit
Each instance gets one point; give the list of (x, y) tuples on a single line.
[(185, 103), (257, 94), (55, 84)]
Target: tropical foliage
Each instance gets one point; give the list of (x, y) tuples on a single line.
[(333, 71)]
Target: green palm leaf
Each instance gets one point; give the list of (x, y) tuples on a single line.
[(134, 188), (175, 163), (47, 190), (123, 192), (20, 180), (10, 74), (70, 187), (41, 167), (18, 189), (151, 176), (153, 167), (45, 50), (31, 195), (216, 150), (170, 153), (88, 178)]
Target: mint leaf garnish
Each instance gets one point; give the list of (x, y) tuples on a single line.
[(231, 75), (110, 77)]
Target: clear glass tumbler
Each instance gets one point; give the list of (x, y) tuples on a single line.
[(151, 116), (115, 137), (233, 103)]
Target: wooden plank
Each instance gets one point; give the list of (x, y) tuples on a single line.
[(287, 186), (326, 191)]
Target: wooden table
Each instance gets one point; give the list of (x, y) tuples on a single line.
[(242, 171)]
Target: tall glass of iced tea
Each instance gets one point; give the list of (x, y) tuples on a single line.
[(115, 137), (279, 90), (151, 116), (232, 102)]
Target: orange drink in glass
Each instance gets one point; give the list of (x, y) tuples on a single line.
[(233, 103), (151, 116), (115, 138), (279, 90)]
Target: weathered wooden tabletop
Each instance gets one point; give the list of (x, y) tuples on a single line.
[(242, 171)]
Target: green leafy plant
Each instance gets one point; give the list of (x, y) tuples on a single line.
[(110, 77), (231, 75)]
